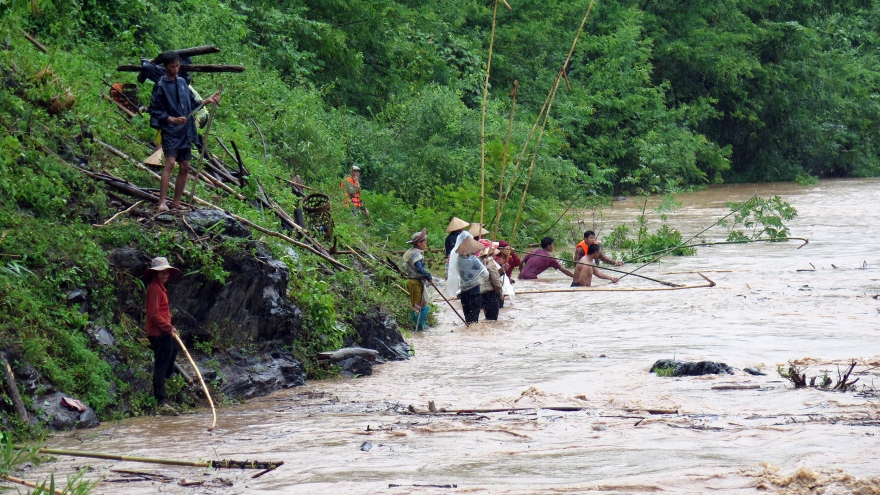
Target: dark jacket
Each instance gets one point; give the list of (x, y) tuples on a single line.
[(174, 99)]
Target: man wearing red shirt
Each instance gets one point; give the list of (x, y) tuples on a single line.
[(160, 332)]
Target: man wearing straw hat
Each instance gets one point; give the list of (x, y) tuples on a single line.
[(160, 332), (416, 275)]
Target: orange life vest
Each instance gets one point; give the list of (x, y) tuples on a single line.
[(351, 200), (582, 245)]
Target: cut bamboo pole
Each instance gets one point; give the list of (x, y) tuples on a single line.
[(34, 41), (123, 212), (22, 482), (13, 389), (497, 221), (619, 289), (121, 107), (483, 117), (189, 68), (201, 380), (168, 462)]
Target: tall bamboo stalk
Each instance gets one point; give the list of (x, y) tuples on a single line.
[(504, 160), (483, 119), (548, 105)]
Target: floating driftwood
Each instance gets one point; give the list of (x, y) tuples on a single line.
[(190, 68)]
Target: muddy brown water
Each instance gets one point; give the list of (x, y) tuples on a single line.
[(591, 350)]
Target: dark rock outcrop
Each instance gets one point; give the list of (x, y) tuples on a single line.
[(356, 366), (379, 331), (206, 221), (687, 368), (243, 376), (58, 417)]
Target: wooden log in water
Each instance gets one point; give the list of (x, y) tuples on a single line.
[(189, 68), (22, 482), (230, 464)]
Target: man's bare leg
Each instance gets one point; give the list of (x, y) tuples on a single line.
[(166, 179), (180, 185)]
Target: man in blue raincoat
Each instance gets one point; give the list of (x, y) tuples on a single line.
[(171, 111)]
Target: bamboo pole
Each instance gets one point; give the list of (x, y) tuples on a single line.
[(34, 41), (781, 239), (547, 115), (121, 107), (483, 118), (709, 283), (192, 190), (168, 462), (669, 284), (189, 68), (13, 389), (497, 221), (447, 302), (20, 481), (123, 212), (201, 380)]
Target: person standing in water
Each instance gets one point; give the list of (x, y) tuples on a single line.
[(586, 268), (416, 276)]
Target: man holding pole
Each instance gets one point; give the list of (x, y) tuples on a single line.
[(172, 109), (160, 332), (589, 240), (416, 276)]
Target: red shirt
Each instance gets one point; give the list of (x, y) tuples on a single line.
[(513, 261), (158, 312), (537, 264)]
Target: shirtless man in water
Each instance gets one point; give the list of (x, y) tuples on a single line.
[(586, 268)]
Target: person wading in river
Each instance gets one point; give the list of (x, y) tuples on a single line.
[(351, 186), (455, 227), (159, 330), (416, 276), (471, 274), (508, 259), (491, 289), (586, 268), (589, 239), (539, 260), (171, 104)]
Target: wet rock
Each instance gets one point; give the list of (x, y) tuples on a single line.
[(243, 376), (356, 366), (131, 260), (102, 336), (59, 418), (76, 296), (206, 221), (755, 372), (30, 379), (366, 446), (379, 331), (687, 368), (252, 306)]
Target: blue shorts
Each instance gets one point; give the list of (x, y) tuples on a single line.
[(182, 154)]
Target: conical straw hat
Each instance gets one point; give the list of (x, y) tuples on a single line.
[(469, 246), (456, 224), (477, 230)]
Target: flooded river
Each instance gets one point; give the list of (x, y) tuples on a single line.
[(719, 433)]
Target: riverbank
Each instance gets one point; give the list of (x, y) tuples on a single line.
[(588, 350)]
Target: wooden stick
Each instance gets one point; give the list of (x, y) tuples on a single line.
[(13, 389), (483, 114), (168, 462), (263, 140), (447, 302), (201, 380), (123, 212), (498, 209), (189, 68), (619, 289), (120, 105), (27, 483), (192, 190), (35, 42), (195, 51), (669, 284)]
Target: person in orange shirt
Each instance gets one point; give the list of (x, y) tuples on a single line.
[(581, 250), (351, 186), (160, 331)]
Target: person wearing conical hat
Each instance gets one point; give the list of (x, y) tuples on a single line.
[(472, 274), (456, 225), (478, 231), (160, 331), (491, 289), (416, 276)]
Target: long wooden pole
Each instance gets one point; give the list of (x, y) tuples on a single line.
[(497, 220), (449, 303), (709, 283), (547, 113), (20, 481), (483, 118), (13, 389), (201, 380), (192, 190), (670, 284), (168, 462)]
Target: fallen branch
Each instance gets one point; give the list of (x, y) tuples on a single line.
[(128, 112), (228, 464), (123, 212), (35, 42), (842, 384), (13, 389)]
